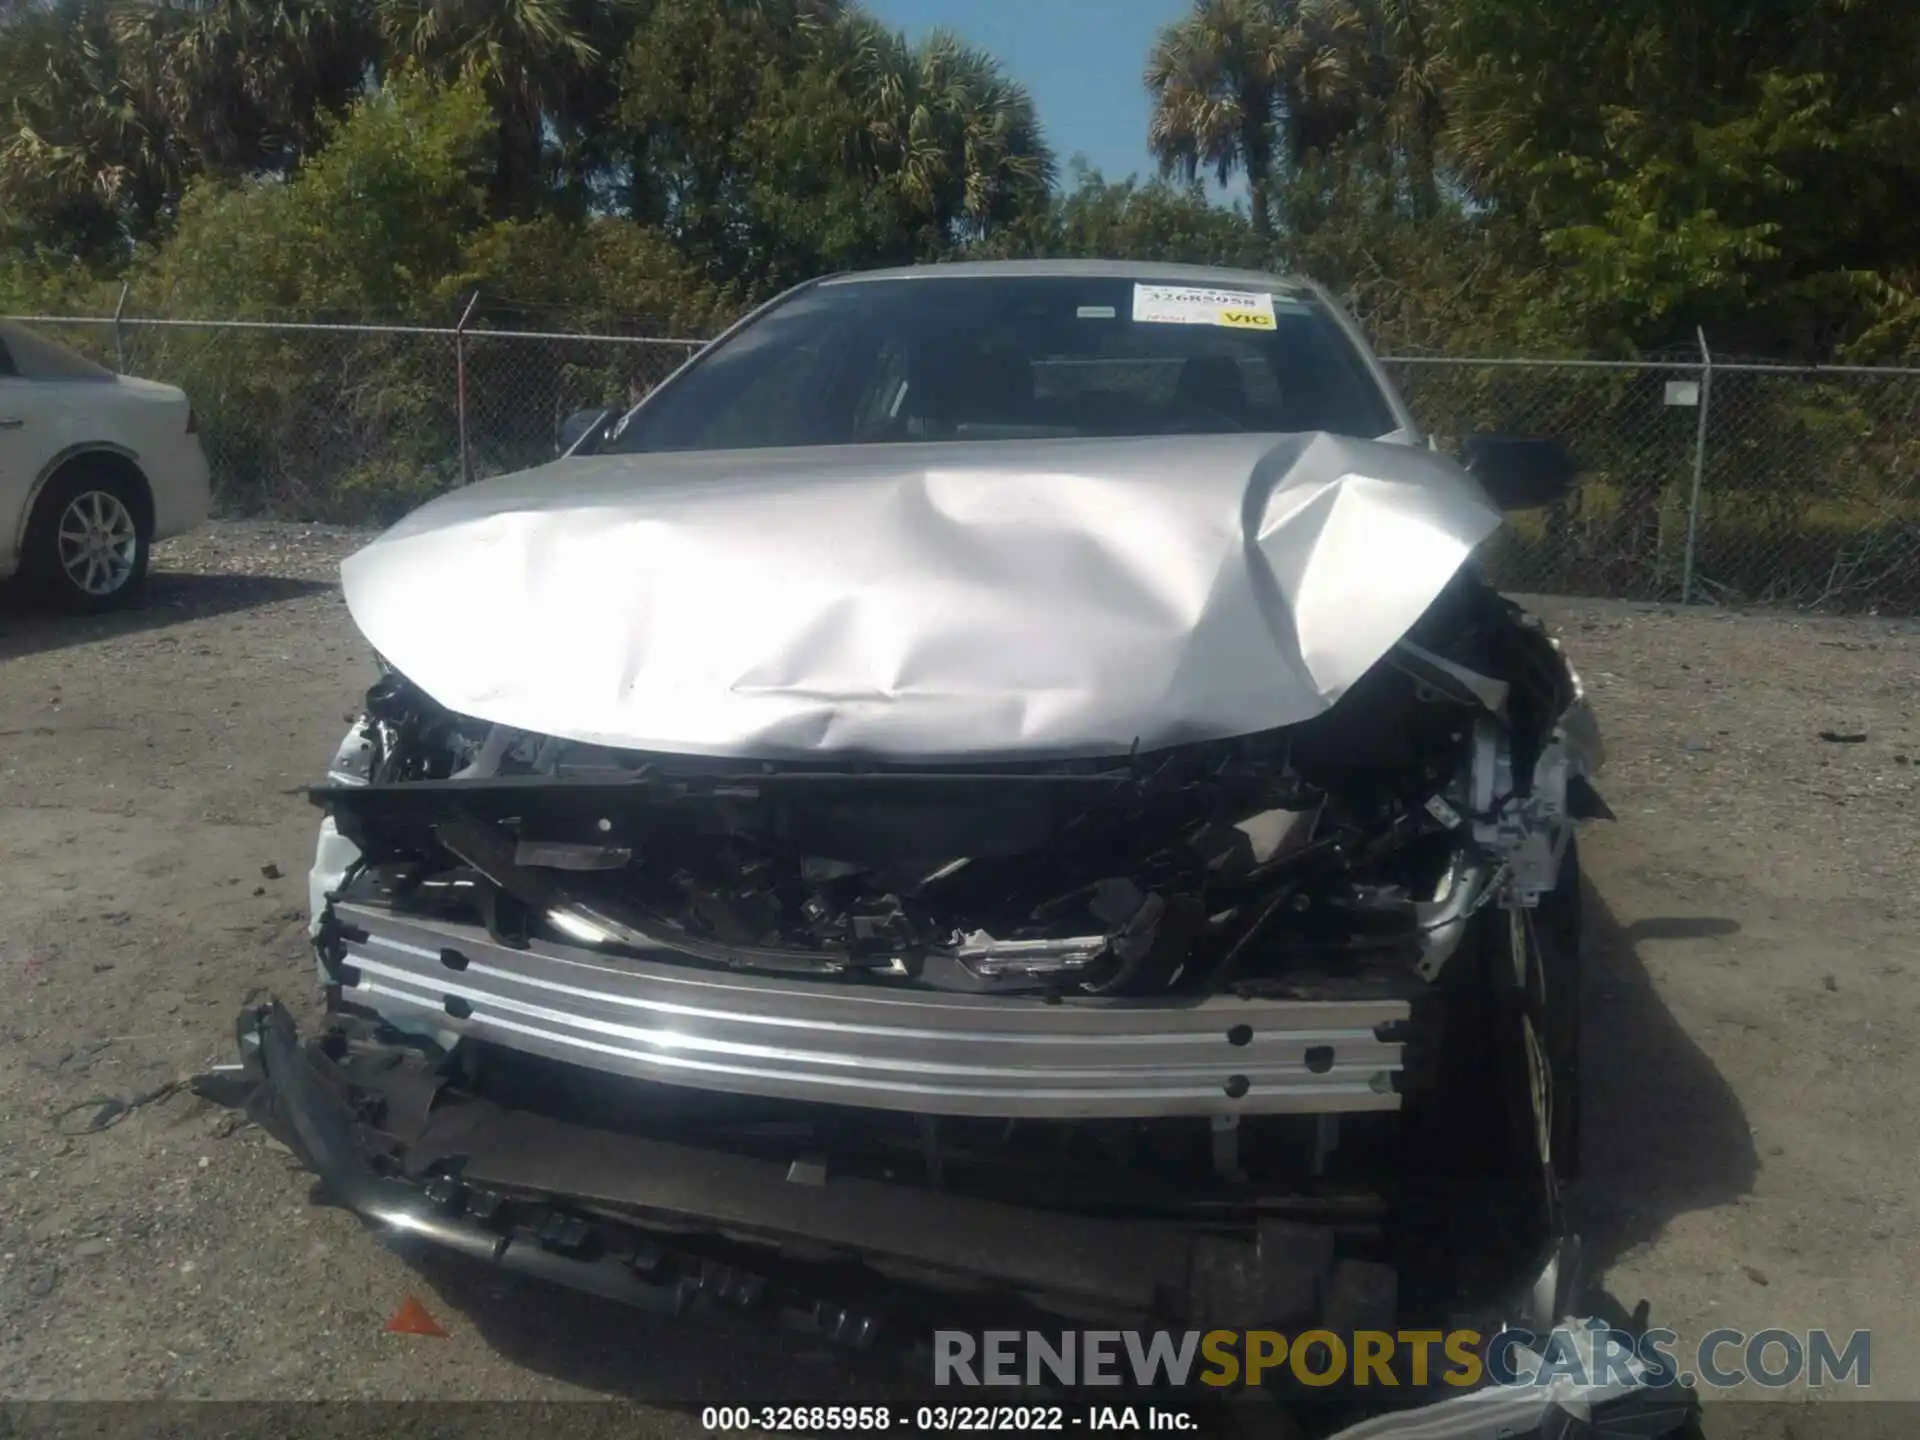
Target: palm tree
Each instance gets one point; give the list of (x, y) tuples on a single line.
[(1238, 79), (713, 96), (249, 84), (81, 131), (582, 111), (526, 54), (1414, 80), (948, 131)]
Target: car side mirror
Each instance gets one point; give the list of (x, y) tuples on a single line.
[(583, 425), (1520, 472)]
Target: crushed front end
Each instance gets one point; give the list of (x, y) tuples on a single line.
[(1244, 1032)]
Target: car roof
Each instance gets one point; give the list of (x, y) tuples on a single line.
[(1146, 270)]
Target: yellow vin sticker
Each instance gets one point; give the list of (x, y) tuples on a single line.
[(1197, 305)]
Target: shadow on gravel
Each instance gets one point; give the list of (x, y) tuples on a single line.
[(1679, 927), (613, 1350), (29, 628), (1663, 1133)]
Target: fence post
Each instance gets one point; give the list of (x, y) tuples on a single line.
[(460, 382), (1699, 465), (119, 342)]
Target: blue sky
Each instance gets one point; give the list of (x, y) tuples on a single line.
[(1081, 59)]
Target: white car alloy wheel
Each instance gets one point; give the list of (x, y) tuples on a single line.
[(98, 543)]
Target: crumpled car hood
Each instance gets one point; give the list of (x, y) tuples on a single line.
[(1032, 599)]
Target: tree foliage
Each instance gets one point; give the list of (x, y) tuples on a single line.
[(366, 227), (775, 138), (87, 155), (1748, 165), (243, 86), (1239, 85), (1473, 173)]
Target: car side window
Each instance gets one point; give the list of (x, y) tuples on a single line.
[(31, 356)]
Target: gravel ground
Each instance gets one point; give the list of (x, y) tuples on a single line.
[(1753, 978)]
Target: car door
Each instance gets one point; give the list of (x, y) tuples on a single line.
[(39, 417), (17, 467)]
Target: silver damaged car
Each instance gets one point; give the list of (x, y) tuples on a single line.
[(998, 788)]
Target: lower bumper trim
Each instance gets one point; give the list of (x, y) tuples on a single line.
[(463, 1167), (1149, 1276)]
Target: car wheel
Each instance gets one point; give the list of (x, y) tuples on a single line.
[(1530, 1026), (1557, 941), (88, 543), (1528, 1093), (1496, 1129)]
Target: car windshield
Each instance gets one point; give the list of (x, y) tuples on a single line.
[(929, 358)]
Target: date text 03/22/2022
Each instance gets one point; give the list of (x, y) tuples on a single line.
[(961, 1419)]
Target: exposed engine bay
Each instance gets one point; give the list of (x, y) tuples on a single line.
[(1361, 840)]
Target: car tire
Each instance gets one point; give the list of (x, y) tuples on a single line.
[(1508, 1034), (1532, 1033), (88, 543), (1558, 932), (1530, 1027)]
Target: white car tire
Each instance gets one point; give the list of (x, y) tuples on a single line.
[(90, 538)]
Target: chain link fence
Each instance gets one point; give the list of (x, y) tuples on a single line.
[(1702, 478), (1713, 479), (359, 424)]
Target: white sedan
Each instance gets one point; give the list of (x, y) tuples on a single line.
[(94, 467)]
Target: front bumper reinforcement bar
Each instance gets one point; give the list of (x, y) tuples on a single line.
[(871, 1045)]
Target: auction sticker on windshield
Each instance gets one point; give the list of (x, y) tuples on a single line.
[(1192, 305)]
